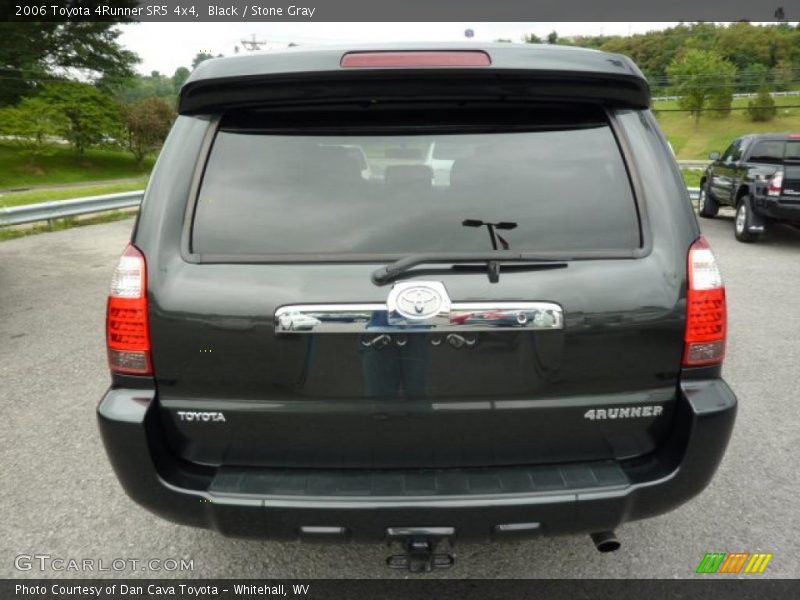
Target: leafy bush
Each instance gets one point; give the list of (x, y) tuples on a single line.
[(762, 107)]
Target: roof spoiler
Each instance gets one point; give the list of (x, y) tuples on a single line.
[(217, 94)]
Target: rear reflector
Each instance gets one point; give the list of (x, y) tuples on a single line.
[(468, 58), (127, 327), (706, 318)]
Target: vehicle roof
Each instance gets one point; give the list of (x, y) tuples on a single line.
[(542, 57), (785, 135)]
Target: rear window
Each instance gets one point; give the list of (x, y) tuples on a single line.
[(767, 152), (793, 151), (403, 184)]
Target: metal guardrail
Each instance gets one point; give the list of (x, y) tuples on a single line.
[(693, 164), (60, 209)]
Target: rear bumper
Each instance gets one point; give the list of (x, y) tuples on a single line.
[(474, 503), (781, 209)]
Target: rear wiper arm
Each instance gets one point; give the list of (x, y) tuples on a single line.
[(492, 259)]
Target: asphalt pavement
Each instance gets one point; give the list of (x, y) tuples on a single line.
[(59, 496)]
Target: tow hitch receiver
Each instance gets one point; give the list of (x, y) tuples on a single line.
[(420, 545)]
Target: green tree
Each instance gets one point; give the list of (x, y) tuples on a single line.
[(90, 115), (532, 38), (179, 78), (762, 107), (145, 86), (744, 44), (754, 77), (785, 75), (147, 123), (200, 57), (702, 79), (654, 51), (31, 124), (552, 37), (32, 52)]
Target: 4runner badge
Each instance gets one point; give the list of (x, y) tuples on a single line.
[(629, 412), (204, 416)]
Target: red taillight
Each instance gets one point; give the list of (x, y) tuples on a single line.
[(468, 58), (706, 318), (127, 327), (775, 184)]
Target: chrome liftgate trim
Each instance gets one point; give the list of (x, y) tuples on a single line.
[(357, 318)]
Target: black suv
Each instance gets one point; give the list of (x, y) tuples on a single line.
[(759, 176), (505, 323)]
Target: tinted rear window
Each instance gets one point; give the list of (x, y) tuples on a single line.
[(768, 151), (793, 151), (555, 184)]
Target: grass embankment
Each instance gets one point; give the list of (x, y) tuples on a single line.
[(692, 142), (60, 166), (18, 169)]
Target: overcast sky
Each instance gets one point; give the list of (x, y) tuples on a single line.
[(166, 46)]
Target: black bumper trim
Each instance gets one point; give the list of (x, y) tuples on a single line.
[(245, 503), (404, 485)]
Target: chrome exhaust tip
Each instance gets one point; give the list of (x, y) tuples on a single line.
[(606, 541)]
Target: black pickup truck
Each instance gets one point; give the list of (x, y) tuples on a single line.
[(759, 176), (527, 342)]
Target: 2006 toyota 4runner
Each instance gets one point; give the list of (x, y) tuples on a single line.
[(416, 293)]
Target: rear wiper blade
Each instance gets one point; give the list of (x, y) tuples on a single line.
[(492, 259)]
